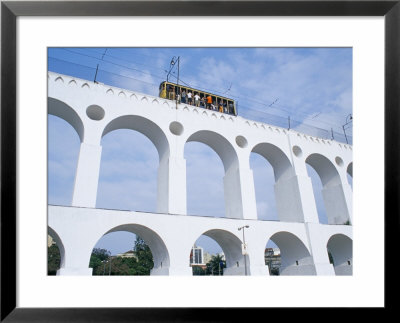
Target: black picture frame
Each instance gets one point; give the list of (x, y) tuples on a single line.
[(10, 10)]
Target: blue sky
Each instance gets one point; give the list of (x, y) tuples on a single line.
[(311, 85)]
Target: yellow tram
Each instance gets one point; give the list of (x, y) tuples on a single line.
[(184, 94)]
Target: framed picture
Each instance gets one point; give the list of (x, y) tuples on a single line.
[(19, 48)]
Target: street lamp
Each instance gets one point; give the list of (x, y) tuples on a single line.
[(349, 119), (244, 251), (104, 271)]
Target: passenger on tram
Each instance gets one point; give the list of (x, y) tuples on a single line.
[(189, 96), (202, 102), (220, 107), (197, 100), (209, 101), (213, 106), (183, 96), (231, 108)]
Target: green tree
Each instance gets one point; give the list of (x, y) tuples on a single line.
[(216, 265), (104, 264), (144, 257), (198, 271), (53, 259), (123, 266), (98, 260)]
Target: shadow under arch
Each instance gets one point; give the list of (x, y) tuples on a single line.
[(145, 127), (277, 158), (340, 247), (349, 174), (350, 169), (296, 259), (153, 240), (283, 184), (224, 149), (64, 111), (231, 246), (332, 190), (325, 169), (59, 243)]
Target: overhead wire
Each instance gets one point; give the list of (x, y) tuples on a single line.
[(116, 64), (280, 107), (277, 107), (120, 75)]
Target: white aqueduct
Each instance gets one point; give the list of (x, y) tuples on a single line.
[(94, 110)]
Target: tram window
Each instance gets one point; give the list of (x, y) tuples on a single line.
[(231, 107)]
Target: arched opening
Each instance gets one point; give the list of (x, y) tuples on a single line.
[(340, 251), (63, 146), (144, 126), (317, 190), (204, 181), (207, 258), (331, 189), (289, 256), (128, 172), (227, 258), (130, 249), (271, 168), (55, 253), (227, 154), (64, 111), (272, 257), (129, 166), (349, 174)]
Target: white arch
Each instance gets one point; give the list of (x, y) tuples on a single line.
[(144, 126), (67, 113), (160, 141), (295, 256), (232, 188), (350, 169), (341, 248), (325, 169), (219, 144), (231, 245), (153, 240), (337, 211), (59, 243), (277, 158)]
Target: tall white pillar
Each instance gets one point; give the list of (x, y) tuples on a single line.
[(87, 176), (295, 200), (256, 254), (348, 195), (240, 200), (171, 197), (319, 250), (336, 205)]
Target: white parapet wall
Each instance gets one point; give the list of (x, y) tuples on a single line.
[(94, 110)]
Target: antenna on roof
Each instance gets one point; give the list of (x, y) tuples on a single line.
[(228, 89), (97, 68), (273, 103)]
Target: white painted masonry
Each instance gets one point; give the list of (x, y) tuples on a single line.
[(96, 109)]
